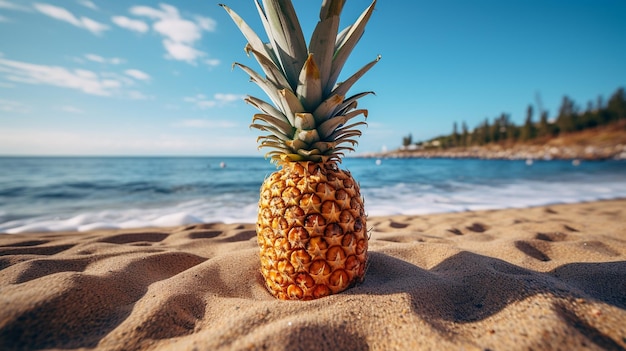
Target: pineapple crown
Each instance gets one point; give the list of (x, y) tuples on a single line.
[(308, 117)]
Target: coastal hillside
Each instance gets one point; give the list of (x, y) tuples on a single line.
[(596, 133), (600, 143)]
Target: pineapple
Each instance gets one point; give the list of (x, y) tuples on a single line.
[(311, 226)]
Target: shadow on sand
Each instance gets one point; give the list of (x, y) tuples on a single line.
[(468, 287)]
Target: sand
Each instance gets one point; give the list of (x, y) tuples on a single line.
[(549, 278)]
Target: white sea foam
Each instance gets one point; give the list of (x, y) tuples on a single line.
[(181, 214), (405, 199), (142, 198), (484, 197)]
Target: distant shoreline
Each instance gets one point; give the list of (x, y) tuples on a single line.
[(522, 152), (603, 143)]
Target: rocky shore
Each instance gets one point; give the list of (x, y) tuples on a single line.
[(603, 143), (515, 152)]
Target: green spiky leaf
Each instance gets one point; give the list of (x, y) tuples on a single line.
[(310, 85), (308, 113), (286, 36), (347, 43)]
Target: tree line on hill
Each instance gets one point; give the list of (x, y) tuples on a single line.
[(502, 130)]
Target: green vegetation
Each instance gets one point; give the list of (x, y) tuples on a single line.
[(502, 131)]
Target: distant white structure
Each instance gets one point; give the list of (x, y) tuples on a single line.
[(413, 147)]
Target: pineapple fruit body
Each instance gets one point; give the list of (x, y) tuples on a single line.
[(311, 231)]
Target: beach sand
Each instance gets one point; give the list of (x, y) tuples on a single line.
[(550, 278)]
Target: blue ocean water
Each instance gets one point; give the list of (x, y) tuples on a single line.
[(85, 193)]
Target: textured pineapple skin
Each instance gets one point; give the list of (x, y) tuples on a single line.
[(311, 231)]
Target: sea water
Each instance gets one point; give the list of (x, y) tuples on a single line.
[(86, 193)]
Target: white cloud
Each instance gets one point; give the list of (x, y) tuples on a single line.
[(62, 14), (4, 19), (212, 62), (100, 59), (71, 109), (227, 98), (206, 103), (89, 82), (95, 58), (178, 30), (200, 100), (150, 12), (205, 123), (11, 6), (131, 24), (93, 26), (180, 35), (88, 4), (219, 99), (206, 23), (58, 13), (13, 106), (137, 95), (181, 51), (83, 80), (137, 74), (32, 141), (122, 78), (86, 81), (83, 73)]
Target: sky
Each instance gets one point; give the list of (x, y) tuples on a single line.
[(143, 77)]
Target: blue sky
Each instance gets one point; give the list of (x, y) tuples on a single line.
[(80, 77)]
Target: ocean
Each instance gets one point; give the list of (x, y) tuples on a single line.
[(87, 193)]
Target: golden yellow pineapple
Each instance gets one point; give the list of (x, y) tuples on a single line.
[(311, 231), (311, 224)]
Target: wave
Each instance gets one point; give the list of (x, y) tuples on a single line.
[(396, 199), (405, 199), (96, 193)]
